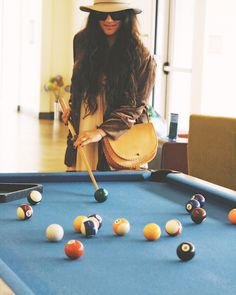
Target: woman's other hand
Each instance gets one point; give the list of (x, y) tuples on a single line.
[(87, 137)]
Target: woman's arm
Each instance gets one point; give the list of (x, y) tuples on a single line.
[(125, 116)]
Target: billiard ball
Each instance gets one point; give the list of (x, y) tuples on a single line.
[(152, 231), (200, 198), (192, 204), (89, 228), (121, 226), (185, 251), (77, 223), (74, 249), (34, 197), (97, 219), (101, 195), (24, 212), (232, 216), (198, 215), (173, 227), (54, 232)]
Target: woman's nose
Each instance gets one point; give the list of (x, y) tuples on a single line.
[(109, 18)]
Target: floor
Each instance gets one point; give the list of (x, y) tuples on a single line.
[(28, 144)]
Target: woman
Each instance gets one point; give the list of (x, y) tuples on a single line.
[(112, 79)]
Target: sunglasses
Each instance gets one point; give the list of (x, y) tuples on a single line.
[(117, 15)]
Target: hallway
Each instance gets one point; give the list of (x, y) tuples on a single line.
[(28, 144)]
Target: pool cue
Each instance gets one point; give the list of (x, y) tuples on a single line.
[(73, 132)]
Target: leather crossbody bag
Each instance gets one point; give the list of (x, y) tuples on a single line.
[(134, 148)]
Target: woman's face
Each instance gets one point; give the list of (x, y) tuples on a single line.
[(109, 26)]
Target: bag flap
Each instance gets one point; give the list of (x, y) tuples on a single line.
[(135, 143)]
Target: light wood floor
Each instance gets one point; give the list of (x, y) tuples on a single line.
[(28, 144)]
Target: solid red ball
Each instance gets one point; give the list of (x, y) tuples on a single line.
[(74, 249), (198, 215)]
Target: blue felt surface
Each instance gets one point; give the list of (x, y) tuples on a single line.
[(11, 279), (119, 265)]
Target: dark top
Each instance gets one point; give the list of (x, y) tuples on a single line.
[(118, 119)]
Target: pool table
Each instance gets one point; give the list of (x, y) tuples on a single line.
[(30, 264)]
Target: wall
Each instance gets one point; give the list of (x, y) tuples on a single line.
[(218, 77), (56, 46)]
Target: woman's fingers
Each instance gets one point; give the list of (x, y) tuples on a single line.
[(87, 137)]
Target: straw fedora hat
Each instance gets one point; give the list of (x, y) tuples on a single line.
[(110, 6)]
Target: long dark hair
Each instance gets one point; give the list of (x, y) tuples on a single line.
[(119, 64)]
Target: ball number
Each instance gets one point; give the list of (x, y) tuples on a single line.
[(24, 212), (121, 226), (185, 251)]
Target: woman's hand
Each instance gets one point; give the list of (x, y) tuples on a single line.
[(66, 116), (87, 137)]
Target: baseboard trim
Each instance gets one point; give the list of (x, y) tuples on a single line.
[(46, 115)]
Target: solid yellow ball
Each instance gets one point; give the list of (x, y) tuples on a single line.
[(77, 223), (152, 232)]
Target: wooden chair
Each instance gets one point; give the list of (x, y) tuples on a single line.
[(212, 149)]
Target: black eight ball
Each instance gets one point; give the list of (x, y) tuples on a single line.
[(185, 251)]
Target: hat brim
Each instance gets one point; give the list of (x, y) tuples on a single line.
[(105, 7)]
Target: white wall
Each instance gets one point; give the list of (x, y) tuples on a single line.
[(219, 80), (20, 54), (30, 54), (10, 41), (56, 46)]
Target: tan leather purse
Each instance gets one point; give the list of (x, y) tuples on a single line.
[(134, 148)]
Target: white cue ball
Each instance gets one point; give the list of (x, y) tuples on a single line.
[(54, 232)]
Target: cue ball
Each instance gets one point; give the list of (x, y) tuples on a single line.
[(152, 232), (77, 223), (89, 228), (24, 212), (173, 227), (54, 232), (232, 216), (101, 195), (200, 198), (198, 215), (34, 197), (74, 249), (121, 226), (192, 204), (97, 219), (185, 251)]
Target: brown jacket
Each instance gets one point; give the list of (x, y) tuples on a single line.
[(120, 119)]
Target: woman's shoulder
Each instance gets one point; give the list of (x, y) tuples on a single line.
[(147, 56), (80, 39)]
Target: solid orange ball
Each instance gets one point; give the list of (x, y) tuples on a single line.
[(232, 216), (74, 249), (152, 232)]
